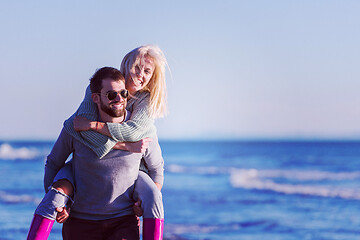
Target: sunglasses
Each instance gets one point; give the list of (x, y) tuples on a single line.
[(111, 95)]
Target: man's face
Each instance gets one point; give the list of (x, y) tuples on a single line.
[(115, 107)]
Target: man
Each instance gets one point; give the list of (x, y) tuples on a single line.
[(103, 200)]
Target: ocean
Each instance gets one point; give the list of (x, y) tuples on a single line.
[(263, 190)]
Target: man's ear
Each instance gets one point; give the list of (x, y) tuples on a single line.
[(95, 97)]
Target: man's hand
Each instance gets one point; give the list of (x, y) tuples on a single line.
[(82, 123), (63, 214), (137, 209)]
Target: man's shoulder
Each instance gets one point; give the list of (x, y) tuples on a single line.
[(68, 137), (65, 134)]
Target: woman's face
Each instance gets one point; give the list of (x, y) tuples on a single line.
[(140, 75)]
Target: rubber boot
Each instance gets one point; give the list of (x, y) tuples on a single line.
[(153, 228), (40, 228)]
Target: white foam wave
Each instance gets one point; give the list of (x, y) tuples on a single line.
[(7, 152), (197, 170), (300, 175), (266, 180), (175, 231), (179, 229), (23, 198), (255, 179)]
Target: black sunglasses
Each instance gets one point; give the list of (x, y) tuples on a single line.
[(111, 95)]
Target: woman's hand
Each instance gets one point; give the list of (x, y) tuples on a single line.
[(139, 146), (82, 123), (135, 147)]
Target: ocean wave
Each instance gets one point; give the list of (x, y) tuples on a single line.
[(266, 180), (261, 180), (209, 170), (174, 231), (13, 199), (7, 152), (301, 175)]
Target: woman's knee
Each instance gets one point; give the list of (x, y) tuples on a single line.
[(156, 194), (149, 192), (152, 204), (64, 186)]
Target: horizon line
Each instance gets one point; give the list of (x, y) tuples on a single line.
[(207, 139)]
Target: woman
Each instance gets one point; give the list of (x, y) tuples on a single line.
[(144, 71)]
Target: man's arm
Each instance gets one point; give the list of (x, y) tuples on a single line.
[(63, 147)]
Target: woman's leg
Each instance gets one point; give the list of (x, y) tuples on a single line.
[(152, 205), (57, 196)]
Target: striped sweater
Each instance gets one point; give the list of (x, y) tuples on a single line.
[(139, 126)]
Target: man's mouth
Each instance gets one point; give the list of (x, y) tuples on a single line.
[(117, 105)]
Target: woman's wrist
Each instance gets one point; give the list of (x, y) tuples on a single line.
[(99, 127), (94, 125)]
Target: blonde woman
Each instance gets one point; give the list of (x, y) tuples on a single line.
[(144, 71)]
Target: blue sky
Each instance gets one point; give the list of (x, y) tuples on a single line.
[(239, 69)]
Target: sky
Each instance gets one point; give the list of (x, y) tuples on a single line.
[(237, 69)]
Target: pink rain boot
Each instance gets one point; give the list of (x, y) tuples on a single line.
[(40, 228), (153, 228)]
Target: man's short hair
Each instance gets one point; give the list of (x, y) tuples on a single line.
[(104, 73)]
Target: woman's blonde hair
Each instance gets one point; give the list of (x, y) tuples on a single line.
[(157, 84)]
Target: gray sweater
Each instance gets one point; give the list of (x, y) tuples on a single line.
[(104, 187)]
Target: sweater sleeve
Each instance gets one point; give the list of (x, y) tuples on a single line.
[(154, 161), (88, 108), (62, 149), (99, 143), (140, 124)]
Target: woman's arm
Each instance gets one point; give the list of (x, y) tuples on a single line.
[(88, 110), (84, 124), (140, 124), (135, 147), (99, 143), (102, 137)]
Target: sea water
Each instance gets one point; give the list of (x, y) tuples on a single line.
[(220, 189)]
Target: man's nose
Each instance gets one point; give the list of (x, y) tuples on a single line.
[(119, 97)]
